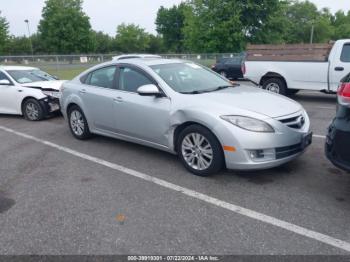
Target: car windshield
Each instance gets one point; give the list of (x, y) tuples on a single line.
[(190, 78), (30, 76)]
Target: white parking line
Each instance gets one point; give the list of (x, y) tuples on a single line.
[(319, 136), (194, 194)]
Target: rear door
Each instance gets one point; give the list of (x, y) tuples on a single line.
[(340, 67), (97, 95)]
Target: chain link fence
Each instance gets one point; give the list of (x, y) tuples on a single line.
[(68, 66)]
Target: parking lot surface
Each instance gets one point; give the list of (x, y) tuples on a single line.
[(59, 195)]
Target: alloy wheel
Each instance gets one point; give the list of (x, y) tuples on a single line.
[(32, 111), (197, 151), (77, 122), (273, 87)]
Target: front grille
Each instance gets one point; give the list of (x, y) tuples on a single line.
[(296, 122), (283, 152)]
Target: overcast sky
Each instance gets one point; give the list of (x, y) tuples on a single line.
[(105, 15)]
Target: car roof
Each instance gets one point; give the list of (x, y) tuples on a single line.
[(22, 68), (142, 61), (134, 56)]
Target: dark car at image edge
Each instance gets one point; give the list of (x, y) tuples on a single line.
[(229, 67), (338, 138)]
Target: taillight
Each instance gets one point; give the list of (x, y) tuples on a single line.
[(244, 70), (344, 94)]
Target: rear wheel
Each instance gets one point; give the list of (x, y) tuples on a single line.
[(275, 85), (200, 151), (32, 110), (78, 123)]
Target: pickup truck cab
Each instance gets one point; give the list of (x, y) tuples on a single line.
[(286, 69)]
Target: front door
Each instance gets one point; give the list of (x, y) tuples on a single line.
[(142, 117), (340, 68), (9, 97)]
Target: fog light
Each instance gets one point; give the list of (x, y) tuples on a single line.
[(262, 155)]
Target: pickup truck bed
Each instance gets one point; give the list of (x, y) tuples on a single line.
[(285, 69)]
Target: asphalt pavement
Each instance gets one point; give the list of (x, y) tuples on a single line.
[(59, 195)]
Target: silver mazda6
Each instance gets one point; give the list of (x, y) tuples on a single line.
[(186, 109)]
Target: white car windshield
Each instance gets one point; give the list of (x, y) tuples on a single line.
[(30, 76), (190, 78)]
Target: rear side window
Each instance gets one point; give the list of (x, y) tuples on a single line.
[(345, 54), (130, 80), (103, 77)]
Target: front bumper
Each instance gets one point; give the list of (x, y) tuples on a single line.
[(276, 148), (337, 147), (50, 105)]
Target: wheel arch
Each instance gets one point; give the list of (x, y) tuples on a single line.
[(270, 75), (186, 124), (25, 99)]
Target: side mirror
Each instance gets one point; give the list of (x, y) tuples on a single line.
[(149, 90), (5, 82)]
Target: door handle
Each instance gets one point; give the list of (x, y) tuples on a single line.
[(118, 99), (20, 90), (339, 68), (82, 91)]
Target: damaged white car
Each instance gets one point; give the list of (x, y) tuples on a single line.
[(28, 91)]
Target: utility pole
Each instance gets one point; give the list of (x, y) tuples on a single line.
[(312, 34), (30, 39)]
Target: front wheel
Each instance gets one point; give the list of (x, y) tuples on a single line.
[(200, 151), (78, 123), (32, 110)]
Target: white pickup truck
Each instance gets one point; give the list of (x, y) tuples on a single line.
[(286, 70)]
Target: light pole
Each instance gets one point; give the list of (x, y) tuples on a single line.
[(312, 34), (30, 39)]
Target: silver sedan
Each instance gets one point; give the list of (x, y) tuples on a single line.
[(186, 109)]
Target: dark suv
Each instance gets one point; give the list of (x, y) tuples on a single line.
[(338, 138), (230, 68)]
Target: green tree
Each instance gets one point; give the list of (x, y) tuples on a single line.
[(170, 23), (19, 45), (156, 45), (4, 34), (65, 28), (102, 42), (225, 25), (341, 24), (132, 38)]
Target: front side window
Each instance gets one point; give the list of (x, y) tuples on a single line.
[(345, 54), (130, 80), (189, 77), (103, 77)]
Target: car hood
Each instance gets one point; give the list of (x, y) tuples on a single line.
[(250, 99), (54, 85)]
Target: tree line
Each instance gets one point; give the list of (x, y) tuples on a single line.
[(194, 26)]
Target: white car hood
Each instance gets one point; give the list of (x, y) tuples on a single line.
[(54, 85), (250, 99)]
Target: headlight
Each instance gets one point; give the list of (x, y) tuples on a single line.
[(52, 94), (250, 124)]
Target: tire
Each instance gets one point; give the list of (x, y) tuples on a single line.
[(276, 85), (78, 124), (193, 155), (32, 110)]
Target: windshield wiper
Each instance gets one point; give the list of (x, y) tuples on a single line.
[(209, 90)]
